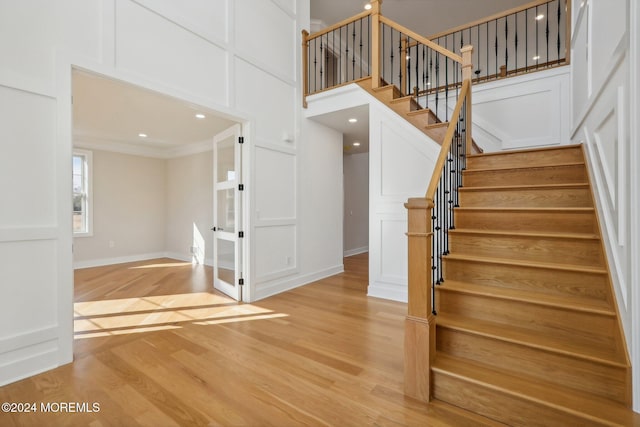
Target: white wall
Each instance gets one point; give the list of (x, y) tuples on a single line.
[(605, 118), (401, 161), (356, 203), (129, 211), (527, 111), (206, 53), (189, 207), (298, 232)]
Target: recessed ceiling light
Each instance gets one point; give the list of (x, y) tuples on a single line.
[(367, 6), (535, 58), (356, 144), (142, 135), (353, 120), (200, 116), (539, 17)]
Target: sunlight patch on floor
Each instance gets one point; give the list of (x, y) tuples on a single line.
[(152, 313)]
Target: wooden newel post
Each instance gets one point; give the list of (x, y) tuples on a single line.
[(375, 43), (305, 67), (467, 72), (419, 337)]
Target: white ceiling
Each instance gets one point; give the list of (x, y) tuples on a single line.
[(352, 132), (109, 114)]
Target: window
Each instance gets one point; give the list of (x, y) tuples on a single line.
[(82, 206)]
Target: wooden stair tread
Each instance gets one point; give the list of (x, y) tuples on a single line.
[(533, 264), (533, 339), (546, 166), (437, 125), (596, 307), (419, 112), (547, 235), (404, 99), (527, 187), (527, 150), (520, 209), (579, 404)]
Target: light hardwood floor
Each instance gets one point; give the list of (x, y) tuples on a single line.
[(156, 346)]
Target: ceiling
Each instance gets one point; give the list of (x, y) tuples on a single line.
[(352, 132), (109, 114)]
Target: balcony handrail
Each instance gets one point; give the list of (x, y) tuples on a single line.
[(337, 25), (421, 39), (489, 18)]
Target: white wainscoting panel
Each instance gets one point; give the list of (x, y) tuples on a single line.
[(200, 70), (207, 18)]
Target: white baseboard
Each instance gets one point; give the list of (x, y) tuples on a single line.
[(117, 260), (356, 251), (388, 291), (267, 290), (135, 258), (187, 258), (28, 354)]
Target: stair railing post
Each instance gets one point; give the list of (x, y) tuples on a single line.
[(375, 43), (467, 73), (419, 338), (305, 67)]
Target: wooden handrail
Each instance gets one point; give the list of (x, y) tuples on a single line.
[(421, 39), (493, 17), (340, 24), (446, 143)]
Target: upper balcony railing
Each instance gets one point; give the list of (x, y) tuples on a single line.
[(531, 37)]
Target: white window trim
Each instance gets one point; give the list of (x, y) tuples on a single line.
[(88, 155)]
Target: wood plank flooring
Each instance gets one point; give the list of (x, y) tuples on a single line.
[(156, 346)]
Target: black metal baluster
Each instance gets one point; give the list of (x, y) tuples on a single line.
[(477, 73), (487, 47), (516, 43), (360, 37), (496, 48), (506, 42), (315, 64), (391, 46), (558, 41), (547, 34), (353, 53)]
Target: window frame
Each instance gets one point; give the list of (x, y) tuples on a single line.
[(88, 185)]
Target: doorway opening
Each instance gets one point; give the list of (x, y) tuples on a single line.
[(146, 197)]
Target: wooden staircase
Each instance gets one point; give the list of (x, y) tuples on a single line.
[(527, 331), (422, 118)]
